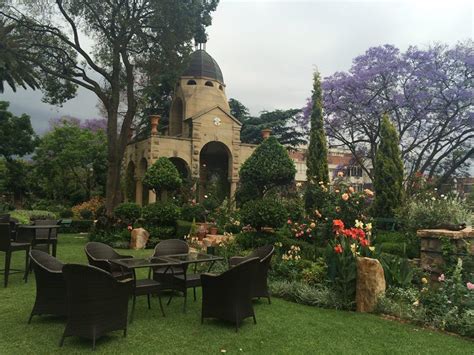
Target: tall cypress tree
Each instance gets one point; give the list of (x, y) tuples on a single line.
[(317, 159), (388, 171)]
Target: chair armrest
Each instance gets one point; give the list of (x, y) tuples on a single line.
[(236, 260), (103, 264)]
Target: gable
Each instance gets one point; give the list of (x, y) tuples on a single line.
[(215, 112)]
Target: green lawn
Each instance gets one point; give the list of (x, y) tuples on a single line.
[(282, 328)]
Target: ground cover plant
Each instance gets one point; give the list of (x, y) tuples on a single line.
[(283, 327)]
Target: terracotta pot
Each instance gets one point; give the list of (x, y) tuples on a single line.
[(213, 230), (154, 121)]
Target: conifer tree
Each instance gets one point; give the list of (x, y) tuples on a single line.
[(388, 171), (317, 160)]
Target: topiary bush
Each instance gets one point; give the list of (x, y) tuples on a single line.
[(161, 214), (128, 212), (195, 211), (162, 176), (264, 213), (269, 166)]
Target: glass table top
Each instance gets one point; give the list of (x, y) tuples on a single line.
[(39, 226), (192, 257), (134, 263)]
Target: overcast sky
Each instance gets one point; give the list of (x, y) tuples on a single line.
[(267, 50)]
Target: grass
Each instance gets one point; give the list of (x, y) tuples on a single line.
[(283, 327)]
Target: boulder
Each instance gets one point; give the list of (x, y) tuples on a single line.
[(370, 283), (139, 238)]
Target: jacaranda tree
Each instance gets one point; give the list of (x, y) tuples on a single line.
[(427, 93)]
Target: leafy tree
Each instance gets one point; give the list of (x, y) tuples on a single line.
[(388, 171), (428, 93), (238, 110), (283, 124), (13, 70), (268, 167), (162, 177), (17, 137), (317, 159), (70, 163), (317, 155), (126, 37)]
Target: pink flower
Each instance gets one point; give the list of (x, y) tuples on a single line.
[(441, 278), (129, 228), (289, 221), (470, 286), (345, 196)]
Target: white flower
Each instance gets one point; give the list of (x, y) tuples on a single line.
[(433, 198), (359, 224), (299, 184)]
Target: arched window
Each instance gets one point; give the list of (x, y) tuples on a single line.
[(209, 83), (191, 82)]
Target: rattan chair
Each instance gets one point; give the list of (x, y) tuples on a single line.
[(228, 296), (50, 285), (99, 254), (42, 236), (8, 247), (97, 302), (169, 247), (260, 285)]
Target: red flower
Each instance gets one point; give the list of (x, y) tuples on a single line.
[(337, 225), (338, 249), (359, 233), (364, 242), (129, 228)]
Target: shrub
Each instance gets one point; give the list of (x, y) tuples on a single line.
[(128, 212), (86, 214), (92, 205), (264, 213), (267, 167), (183, 228), (194, 211), (161, 214), (114, 238), (67, 213), (433, 212), (294, 208), (162, 176), (27, 216)]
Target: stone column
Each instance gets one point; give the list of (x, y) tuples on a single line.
[(151, 197), (139, 191)]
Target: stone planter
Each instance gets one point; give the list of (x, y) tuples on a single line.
[(370, 283), (431, 250)]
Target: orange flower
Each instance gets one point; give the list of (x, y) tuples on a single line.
[(369, 193), (338, 249), (351, 190), (337, 225), (345, 196)]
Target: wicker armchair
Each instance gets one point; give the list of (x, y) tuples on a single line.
[(260, 285), (99, 255), (169, 247), (97, 302), (50, 285), (43, 236), (228, 296), (8, 247)]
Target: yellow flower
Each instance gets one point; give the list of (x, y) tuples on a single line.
[(368, 226), (424, 280), (372, 249), (353, 248), (313, 225), (359, 224)]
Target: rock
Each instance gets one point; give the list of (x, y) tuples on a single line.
[(139, 238), (370, 284)]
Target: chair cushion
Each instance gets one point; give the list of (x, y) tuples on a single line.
[(192, 280), (147, 286), (19, 246)]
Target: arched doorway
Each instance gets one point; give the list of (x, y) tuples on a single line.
[(130, 183), (215, 161), (176, 118), (181, 166)]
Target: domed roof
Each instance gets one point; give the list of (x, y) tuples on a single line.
[(201, 64)]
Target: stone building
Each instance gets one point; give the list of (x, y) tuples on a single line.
[(203, 138)]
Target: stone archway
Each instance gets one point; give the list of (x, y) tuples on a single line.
[(182, 167), (215, 163)]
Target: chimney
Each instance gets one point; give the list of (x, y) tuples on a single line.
[(266, 133), (154, 121)]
